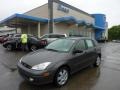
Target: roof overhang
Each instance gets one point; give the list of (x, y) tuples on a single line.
[(70, 20), (67, 19), (98, 28), (22, 20)]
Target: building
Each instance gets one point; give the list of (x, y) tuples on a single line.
[(58, 17)]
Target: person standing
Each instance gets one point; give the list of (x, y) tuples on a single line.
[(24, 41)]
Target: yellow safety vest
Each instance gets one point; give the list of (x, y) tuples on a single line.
[(24, 38)]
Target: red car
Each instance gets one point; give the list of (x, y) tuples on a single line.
[(3, 38)]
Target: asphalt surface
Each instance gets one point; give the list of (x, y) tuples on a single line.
[(107, 77)]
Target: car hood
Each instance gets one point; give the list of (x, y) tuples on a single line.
[(42, 56)]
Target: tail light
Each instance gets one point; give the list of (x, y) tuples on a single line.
[(43, 42)]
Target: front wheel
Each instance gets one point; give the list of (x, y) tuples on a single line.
[(61, 77), (9, 47), (33, 48), (97, 62)]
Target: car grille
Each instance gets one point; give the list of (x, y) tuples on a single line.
[(26, 65)]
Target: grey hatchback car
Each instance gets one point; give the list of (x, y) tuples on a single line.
[(60, 59)]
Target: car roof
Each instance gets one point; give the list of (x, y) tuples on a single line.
[(77, 38), (54, 34), (21, 34)]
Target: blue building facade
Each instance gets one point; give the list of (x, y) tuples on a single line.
[(100, 25)]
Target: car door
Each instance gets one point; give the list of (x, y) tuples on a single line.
[(91, 51), (78, 59)]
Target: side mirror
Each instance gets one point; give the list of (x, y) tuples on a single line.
[(77, 51)]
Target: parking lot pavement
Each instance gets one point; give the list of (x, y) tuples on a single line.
[(107, 77)]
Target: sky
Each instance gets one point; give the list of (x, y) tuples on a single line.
[(108, 7)]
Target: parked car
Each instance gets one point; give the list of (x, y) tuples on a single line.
[(60, 59), (7, 37), (116, 41), (3, 38), (14, 42), (51, 37)]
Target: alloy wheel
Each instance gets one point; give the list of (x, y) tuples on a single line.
[(62, 77), (33, 48), (98, 61)]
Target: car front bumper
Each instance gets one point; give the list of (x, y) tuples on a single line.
[(35, 77)]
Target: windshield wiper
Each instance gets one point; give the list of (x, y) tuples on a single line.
[(52, 50)]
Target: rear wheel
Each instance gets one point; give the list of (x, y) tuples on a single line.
[(33, 48), (61, 77), (9, 47), (97, 62)]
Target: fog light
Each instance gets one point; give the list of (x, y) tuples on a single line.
[(45, 74), (31, 79)]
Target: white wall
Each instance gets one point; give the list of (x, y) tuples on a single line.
[(62, 28), (41, 11), (44, 29)]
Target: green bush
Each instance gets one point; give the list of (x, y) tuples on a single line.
[(114, 33)]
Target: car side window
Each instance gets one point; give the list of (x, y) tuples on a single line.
[(89, 43), (80, 45)]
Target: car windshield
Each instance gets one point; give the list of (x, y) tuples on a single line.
[(61, 45)]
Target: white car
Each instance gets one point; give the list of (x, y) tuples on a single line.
[(51, 37)]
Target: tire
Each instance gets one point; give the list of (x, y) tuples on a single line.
[(97, 62), (33, 48), (9, 47), (61, 77)]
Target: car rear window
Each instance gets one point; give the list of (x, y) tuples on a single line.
[(34, 38), (89, 43), (60, 36), (56, 36), (80, 45), (18, 35), (45, 36)]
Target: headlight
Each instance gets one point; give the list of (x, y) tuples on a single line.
[(41, 66), (20, 60)]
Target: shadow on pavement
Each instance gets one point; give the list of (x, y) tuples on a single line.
[(83, 80)]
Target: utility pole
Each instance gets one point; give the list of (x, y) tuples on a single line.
[(50, 16)]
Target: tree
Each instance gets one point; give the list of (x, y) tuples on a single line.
[(1, 25), (114, 33)]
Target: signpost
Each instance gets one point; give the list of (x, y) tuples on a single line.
[(63, 8), (50, 15)]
